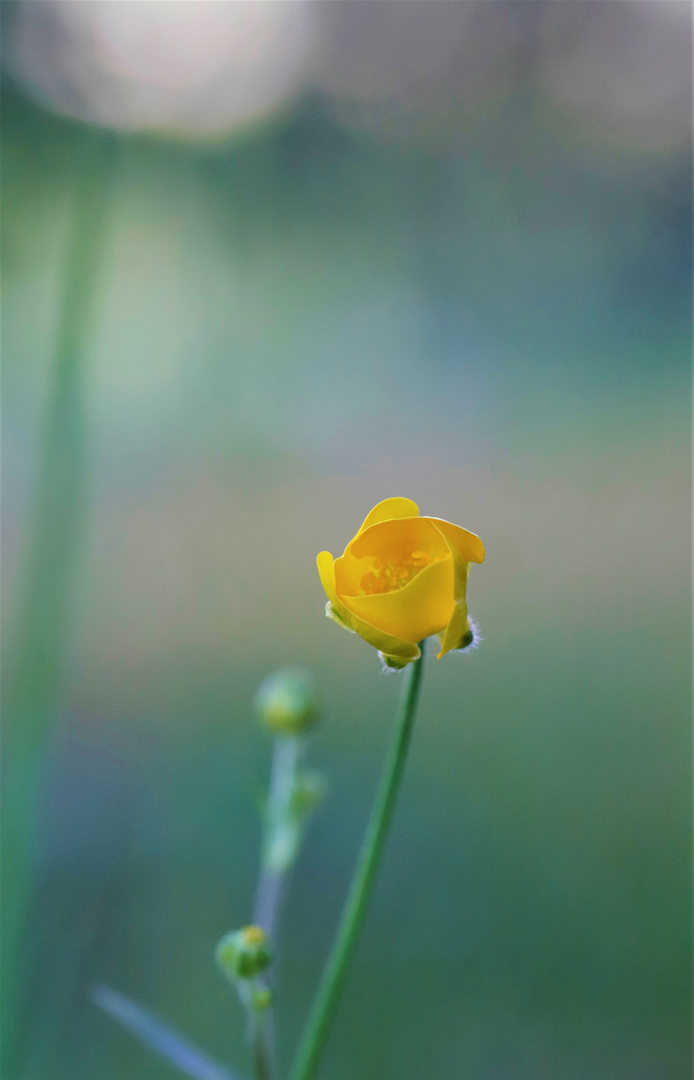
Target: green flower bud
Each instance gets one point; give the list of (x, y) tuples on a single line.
[(287, 702), (261, 998), (309, 791), (243, 954)]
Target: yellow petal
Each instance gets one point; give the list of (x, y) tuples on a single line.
[(381, 541), (326, 569), (458, 629), (389, 509), (465, 548), (386, 643), (422, 607), (466, 544)]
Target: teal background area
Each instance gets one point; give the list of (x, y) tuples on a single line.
[(290, 328)]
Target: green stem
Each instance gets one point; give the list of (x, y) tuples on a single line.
[(272, 880), (327, 996), (261, 1061), (287, 754), (255, 1028), (57, 531)]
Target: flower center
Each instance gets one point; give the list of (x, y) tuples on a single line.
[(395, 570)]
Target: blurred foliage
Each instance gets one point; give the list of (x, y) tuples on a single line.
[(292, 327)]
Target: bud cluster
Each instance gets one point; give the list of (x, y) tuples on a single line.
[(243, 954), (287, 702)]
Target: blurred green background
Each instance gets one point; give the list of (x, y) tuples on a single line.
[(218, 355)]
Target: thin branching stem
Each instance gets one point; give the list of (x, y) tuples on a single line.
[(161, 1038), (354, 912), (272, 880)]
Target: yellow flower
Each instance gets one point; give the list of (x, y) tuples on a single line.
[(401, 579)]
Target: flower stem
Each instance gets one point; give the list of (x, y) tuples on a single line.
[(287, 754), (32, 697), (160, 1037), (327, 996), (261, 1060)]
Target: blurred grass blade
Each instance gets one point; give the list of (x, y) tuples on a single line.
[(160, 1037), (41, 637)]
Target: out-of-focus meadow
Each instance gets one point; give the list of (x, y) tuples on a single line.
[(251, 287)]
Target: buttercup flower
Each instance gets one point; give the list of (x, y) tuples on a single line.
[(401, 579)]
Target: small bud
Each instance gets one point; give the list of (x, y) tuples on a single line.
[(309, 791), (261, 998), (287, 702), (244, 953)]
